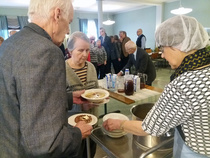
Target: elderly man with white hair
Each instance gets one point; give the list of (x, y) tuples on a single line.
[(33, 98), (184, 103), (141, 60)]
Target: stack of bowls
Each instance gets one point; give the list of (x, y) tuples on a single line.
[(115, 133)]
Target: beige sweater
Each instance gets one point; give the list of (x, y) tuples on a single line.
[(73, 82)]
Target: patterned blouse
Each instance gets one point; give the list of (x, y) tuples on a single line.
[(185, 101), (101, 54)]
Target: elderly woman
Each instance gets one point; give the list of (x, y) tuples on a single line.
[(185, 103), (81, 74)]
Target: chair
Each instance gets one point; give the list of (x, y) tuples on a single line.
[(148, 50), (105, 111)]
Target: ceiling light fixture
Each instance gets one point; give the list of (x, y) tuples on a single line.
[(108, 22), (181, 10)]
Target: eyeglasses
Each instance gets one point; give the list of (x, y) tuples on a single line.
[(161, 49)]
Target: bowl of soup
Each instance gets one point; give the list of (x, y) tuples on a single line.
[(95, 95)]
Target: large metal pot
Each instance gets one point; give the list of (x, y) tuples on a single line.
[(139, 112)]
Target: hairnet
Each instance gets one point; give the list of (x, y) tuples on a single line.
[(182, 32)]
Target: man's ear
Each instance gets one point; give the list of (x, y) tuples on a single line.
[(57, 14)]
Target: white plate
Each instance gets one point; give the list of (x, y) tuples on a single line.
[(103, 102), (115, 116), (73, 123), (96, 95)]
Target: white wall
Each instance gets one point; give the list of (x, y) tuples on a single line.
[(146, 18), (133, 20)]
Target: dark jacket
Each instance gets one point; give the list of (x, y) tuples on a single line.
[(143, 64), (114, 49), (33, 99), (106, 44)]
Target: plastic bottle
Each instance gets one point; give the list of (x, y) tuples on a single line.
[(127, 72)]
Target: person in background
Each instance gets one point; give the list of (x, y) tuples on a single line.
[(92, 41), (1, 40), (141, 40), (106, 42), (119, 49), (141, 60), (93, 54), (33, 94), (184, 103), (124, 56), (102, 58), (115, 55), (81, 74), (12, 32)]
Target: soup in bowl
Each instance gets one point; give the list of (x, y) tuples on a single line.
[(95, 95)]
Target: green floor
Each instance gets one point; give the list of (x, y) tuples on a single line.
[(162, 79)]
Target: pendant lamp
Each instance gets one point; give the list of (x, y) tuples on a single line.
[(181, 10), (108, 22)]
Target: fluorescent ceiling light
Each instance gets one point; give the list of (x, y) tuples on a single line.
[(108, 22), (181, 10)]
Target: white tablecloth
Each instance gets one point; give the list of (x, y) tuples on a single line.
[(141, 96), (144, 96)]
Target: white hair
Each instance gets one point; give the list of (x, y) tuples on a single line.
[(74, 36), (41, 9)]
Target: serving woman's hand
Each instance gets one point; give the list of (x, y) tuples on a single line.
[(130, 126), (112, 124)]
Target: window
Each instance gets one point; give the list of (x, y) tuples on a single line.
[(91, 29), (13, 24)]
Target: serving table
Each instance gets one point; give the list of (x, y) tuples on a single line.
[(148, 94), (126, 147)]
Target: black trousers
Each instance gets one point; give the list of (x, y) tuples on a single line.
[(101, 71), (108, 66), (116, 65)]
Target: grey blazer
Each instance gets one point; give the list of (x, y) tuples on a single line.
[(33, 100), (143, 64)]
